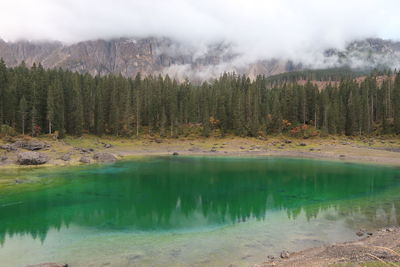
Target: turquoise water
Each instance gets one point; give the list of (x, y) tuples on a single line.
[(180, 211)]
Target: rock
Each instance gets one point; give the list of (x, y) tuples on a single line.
[(302, 144), (285, 254), (288, 141), (104, 157), (107, 146), (31, 158), (84, 150), (8, 147), (194, 149), (30, 145), (175, 154), (342, 156), (66, 157), (270, 257), (213, 150), (49, 264), (3, 158), (360, 233), (158, 141), (241, 147), (84, 159)]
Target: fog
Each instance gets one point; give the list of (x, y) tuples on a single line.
[(293, 29)]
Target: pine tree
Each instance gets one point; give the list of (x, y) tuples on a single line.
[(50, 106), (396, 103), (23, 107)]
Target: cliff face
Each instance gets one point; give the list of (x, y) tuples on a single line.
[(130, 56), (164, 56)]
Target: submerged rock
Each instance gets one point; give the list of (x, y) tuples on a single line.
[(104, 157), (49, 264), (31, 158)]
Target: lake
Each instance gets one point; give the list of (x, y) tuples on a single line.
[(197, 211)]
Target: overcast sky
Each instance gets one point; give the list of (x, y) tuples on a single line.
[(260, 27)]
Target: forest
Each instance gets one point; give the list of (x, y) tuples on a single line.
[(35, 101)]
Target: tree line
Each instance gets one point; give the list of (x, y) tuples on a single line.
[(38, 101)]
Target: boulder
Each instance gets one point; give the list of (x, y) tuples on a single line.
[(359, 233), (30, 145), (285, 254), (104, 157), (84, 150), (66, 157), (8, 147), (175, 154), (31, 158), (3, 158), (107, 146), (84, 159)]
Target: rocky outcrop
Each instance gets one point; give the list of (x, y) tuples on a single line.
[(104, 157), (129, 56), (31, 158)]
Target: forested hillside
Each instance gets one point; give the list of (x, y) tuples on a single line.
[(37, 101)]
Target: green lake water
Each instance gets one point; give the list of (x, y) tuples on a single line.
[(190, 211)]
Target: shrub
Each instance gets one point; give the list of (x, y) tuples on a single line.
[(6, 130), (304, 130)]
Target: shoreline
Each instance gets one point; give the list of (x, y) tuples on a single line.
[(383, 152), (378, 248)]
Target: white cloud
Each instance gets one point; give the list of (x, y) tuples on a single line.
[(258, 28)]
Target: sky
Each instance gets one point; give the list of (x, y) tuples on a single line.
[(259, 28)]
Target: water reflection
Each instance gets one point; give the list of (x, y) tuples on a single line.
[(173, 194)]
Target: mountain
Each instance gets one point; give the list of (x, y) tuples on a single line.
[(128, 56)]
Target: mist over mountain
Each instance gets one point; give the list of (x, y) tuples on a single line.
[(128, 56)]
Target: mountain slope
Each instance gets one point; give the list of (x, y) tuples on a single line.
[(165, 56)]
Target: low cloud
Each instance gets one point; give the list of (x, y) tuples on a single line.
[(298, 30)]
